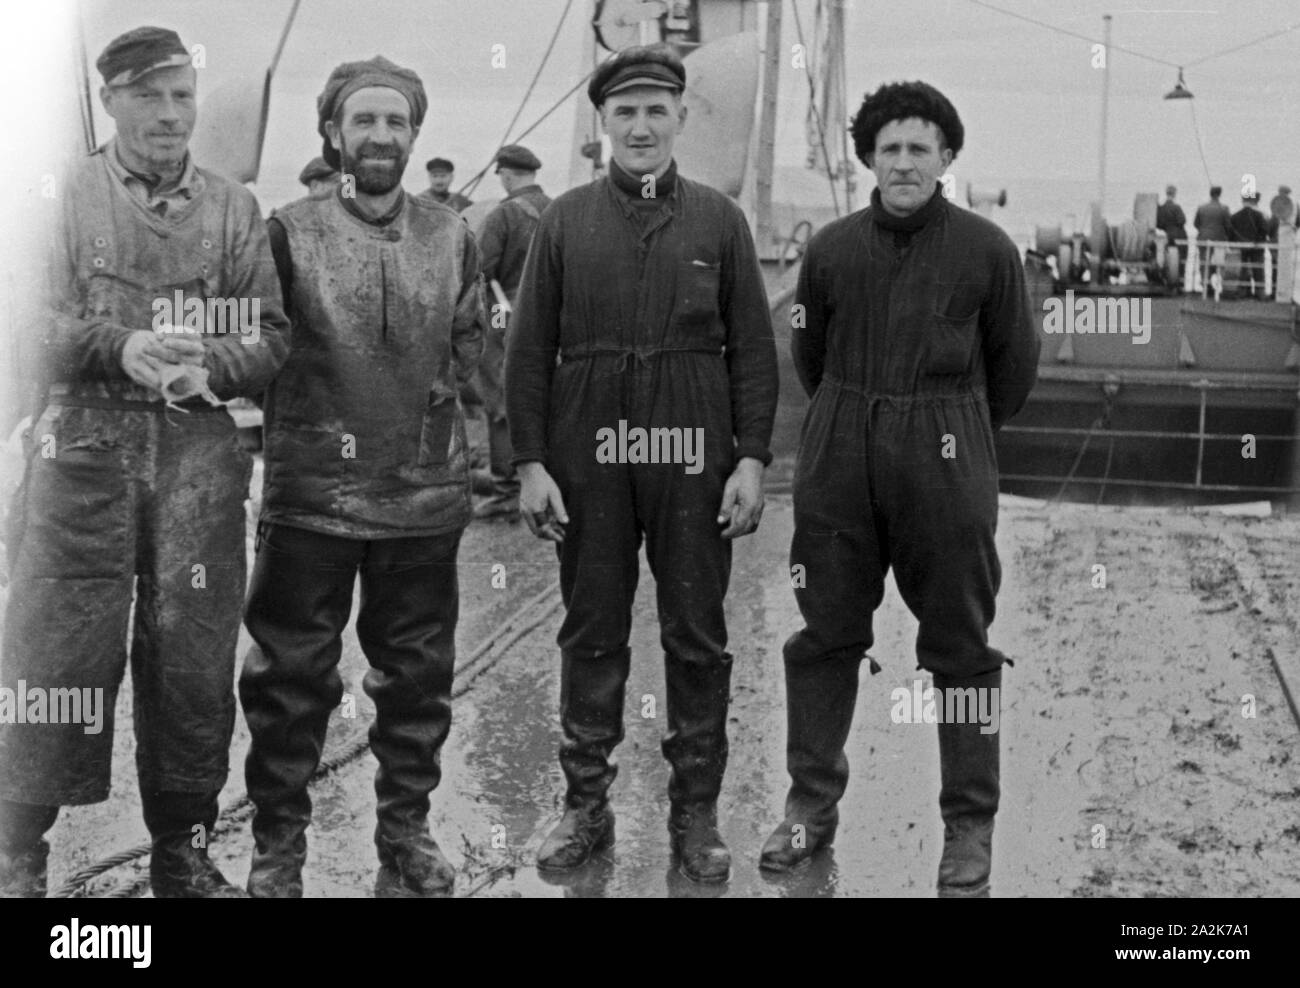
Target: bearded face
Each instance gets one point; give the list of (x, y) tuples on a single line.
[(373, 135), (378, 167)]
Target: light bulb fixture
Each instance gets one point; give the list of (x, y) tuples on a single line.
[(1180, 91)]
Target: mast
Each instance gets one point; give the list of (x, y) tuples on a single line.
[(767, 127), (1105, 113)]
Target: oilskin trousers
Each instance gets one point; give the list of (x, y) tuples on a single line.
[(609, 513), (299, 602), (874, 490), (124, 499)]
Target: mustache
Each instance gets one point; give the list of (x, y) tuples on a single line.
[(372, 150)]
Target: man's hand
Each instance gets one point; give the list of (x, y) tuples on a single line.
[(742, 499), (540, 502), (145, 353)]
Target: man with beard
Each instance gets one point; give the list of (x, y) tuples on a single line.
[(642, 308), (127, 497), (914, 339), (365, 472)]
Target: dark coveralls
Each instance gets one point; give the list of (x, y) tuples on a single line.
[(1250, 226), (656, 312), (366, 471), (503, 245), (918, 336), (124, 498)]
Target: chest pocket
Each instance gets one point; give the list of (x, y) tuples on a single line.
[(951, 344), (697, 292), (119, 293)]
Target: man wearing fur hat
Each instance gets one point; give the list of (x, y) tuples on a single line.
[(914, 339), (366, 473), (642, 313), (131, 499)]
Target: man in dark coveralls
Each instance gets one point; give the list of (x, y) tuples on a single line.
[(366, 474), (127, 499), (914, 338), (646, 287)]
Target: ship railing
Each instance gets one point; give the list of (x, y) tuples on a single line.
[(1101, 430), (1221, 267)]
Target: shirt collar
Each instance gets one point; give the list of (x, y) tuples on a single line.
[(187, 185)]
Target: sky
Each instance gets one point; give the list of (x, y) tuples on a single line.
[(1030, 97)]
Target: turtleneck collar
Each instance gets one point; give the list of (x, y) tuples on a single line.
[(905, 224), (631, 185)]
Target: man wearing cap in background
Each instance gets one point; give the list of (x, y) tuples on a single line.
[(1282, 222), (321, 179), (1213, 222), (507, 231), (1249, 225), (645, 287), (365, 472), (441, 172), (128, 496), (1173, 221)]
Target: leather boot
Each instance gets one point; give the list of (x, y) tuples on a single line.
[(586, 828), (177, 868), (412, 868), (821, 692), (279, 853), (23, 849), (694, 837), (696, 747), (968, 799), (591, 717)]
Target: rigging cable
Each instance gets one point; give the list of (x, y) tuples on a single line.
[(812, 103), (472, 184)]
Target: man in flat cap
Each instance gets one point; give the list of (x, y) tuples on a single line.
[(642, 316), (441, 172), (320, 178), (914, 339), (128, 495), (1173, 221), (1249, 225), (366, 473), (507, 231)]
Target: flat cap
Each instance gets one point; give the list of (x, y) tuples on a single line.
[(316, 168), (352, 76), (135, 54), (641, 65), (439, 165), (517, 156)]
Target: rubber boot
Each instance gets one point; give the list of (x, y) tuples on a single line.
[(279, 854), (591, 717), (413, 867), (696, 747), (968, 797), (821, 694), (181, 824), (23, 849)]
